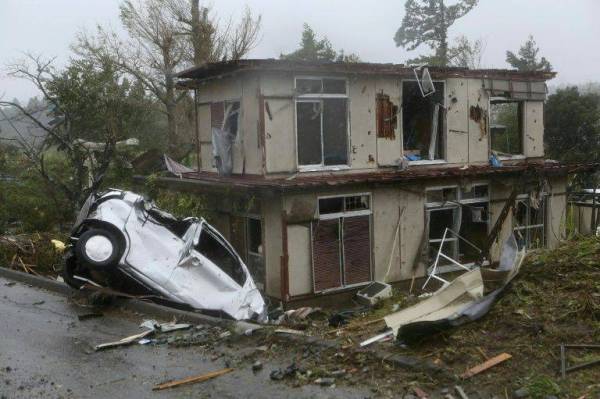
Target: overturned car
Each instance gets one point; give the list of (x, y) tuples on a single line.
[(123, 241)]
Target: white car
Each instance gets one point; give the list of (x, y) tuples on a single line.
[(123, 241)]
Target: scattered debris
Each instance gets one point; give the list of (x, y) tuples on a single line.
[(420, 393), (125, 341), (289, 331), (39, 303), (192, 380), (10, 284), (460, 392), (257, 366), (485, 365), (279, 374), (204, 270), (325, 381), (380, 337), (563, 358), (373, 293)]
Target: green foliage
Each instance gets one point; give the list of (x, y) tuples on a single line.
[(541, 386), (313, 49), (184, 204), (572, 125), (527, 60), (427, 22)]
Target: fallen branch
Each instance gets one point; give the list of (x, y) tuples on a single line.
[(191, 380), (125, 341)]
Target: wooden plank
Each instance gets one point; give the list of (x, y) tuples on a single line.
[(191, 380), (486, 365)]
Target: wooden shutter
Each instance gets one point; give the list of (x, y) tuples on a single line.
[(357, 250), (326, 254), (217, 113)]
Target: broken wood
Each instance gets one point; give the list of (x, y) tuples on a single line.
[(125, 341), (354, 326), (191, 380), (420, 393), (485, 365)]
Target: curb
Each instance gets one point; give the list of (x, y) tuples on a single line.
[(135, 305), (238, 327)]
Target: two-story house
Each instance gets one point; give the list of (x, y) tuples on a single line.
[(327, 176)]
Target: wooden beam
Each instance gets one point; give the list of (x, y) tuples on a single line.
[(485, 365), (191, 380)]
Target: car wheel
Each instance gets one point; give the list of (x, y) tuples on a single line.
[(98, 249)]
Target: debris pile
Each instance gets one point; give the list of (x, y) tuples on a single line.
[(31, 253)]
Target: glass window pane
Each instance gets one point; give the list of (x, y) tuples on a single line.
[(505, 127), (335, 131), (308, 86), (217, 253), (357, 203), (331, 205), (309, 133), (334, 86)]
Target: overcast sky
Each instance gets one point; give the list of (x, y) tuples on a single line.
[(567, 32)]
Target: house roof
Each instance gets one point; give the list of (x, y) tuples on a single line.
[(218, 69), (303, 181)]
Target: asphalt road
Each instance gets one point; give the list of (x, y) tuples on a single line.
[(46, 352)]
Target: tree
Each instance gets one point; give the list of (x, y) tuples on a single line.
[(427, 22), (528, 58), (164, 37), (466, 54), (84, 102), (313, 49), (572, 125)]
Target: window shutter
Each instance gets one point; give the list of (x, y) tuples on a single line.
[(326, 254), (357, 250)]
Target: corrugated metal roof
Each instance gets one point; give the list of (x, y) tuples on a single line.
[(215, 69)]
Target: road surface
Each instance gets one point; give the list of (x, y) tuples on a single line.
[(46, 352)]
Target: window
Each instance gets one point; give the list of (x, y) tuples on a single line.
[(463, 211), (212, 248), (246, 237), (224, 120), (423, 120), (228, 110), (387, 117), (341, 242), (322, 122), (529, 221), (506, 126)]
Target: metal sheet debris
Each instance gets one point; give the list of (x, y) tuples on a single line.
[(460, 301), (123, 241)]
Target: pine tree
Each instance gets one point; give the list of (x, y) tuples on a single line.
[(313, 49), (427, 22), (528, 58)]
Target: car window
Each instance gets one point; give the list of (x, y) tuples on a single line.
[(213, 249)]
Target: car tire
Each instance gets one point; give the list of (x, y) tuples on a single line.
[(98, 249)]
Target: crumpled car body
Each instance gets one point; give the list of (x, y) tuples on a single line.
[(121, 238)]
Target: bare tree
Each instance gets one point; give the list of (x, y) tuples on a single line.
[(467, 54), (164, 37)]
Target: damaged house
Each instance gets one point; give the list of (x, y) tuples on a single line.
[(328, 176)]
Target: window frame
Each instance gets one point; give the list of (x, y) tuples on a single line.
[(340, 216), (319, 97), (456, 206), (528, 227), (442, 160), (523, 111)]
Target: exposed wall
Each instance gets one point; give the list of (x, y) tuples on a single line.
[(273, 245), (466, 137), (247, 156)]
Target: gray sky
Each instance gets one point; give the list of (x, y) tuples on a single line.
[(567, 32)]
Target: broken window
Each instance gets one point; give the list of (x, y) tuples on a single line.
[(465, 213), (423, 120), (212, 248), (387, 119), (506, 126), (246, 237), (322, 122), (342, 242), (224, 120), (529, 221)]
